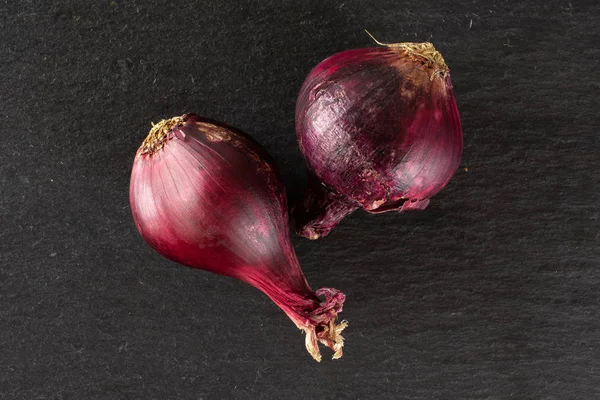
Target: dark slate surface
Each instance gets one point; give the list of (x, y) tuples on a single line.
[(491, 293)]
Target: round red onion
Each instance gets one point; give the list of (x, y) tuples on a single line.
[(204, 195), (379, 129)]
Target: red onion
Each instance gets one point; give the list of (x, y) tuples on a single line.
[(379, 129), (204, 195)]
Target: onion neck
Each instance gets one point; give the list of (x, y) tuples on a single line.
[(320, 210), (315, 313)]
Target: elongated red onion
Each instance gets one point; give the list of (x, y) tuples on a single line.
[(379, 129), (206, 196)]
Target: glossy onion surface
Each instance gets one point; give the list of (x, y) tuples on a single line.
[(206, 196)]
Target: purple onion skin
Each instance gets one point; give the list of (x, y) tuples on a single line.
[(204, 195), (379, 129)]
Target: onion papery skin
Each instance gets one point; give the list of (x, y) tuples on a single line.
[(203, 194), (379, 129)]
